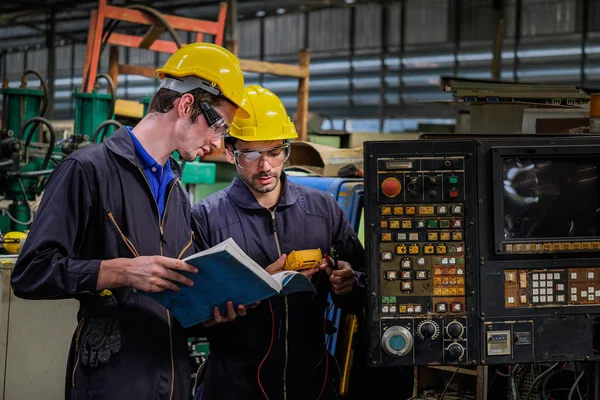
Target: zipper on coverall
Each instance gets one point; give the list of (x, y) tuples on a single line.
[(161, 220), (274, 226)]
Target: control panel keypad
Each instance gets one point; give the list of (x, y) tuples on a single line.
[(427, 249)]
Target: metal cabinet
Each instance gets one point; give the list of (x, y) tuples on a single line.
[(34, 342)]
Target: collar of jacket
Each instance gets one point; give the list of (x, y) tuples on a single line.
[(121, 144), (240, 194)]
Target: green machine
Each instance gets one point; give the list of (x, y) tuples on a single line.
[(95, 113), (26, 151)]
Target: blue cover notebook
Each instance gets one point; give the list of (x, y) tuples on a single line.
[(226, 273)]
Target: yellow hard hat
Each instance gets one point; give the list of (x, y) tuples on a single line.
[(268, 118), (216, 67), (13, 241)]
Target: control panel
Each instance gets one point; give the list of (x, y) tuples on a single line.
[(419, 215)]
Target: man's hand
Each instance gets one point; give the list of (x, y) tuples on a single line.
[(342, 279), (231, 315), (148, 274), (277, 266)]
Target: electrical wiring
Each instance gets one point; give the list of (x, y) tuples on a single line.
[(538, 378), (576, 386), (268, 351)]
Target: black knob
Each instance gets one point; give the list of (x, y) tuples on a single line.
[(455, 329), (427, 329), (433, 193), (411, 186), (455, 351)]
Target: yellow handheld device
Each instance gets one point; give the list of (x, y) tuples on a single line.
[(303, 259)]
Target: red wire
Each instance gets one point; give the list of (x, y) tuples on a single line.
[(326, 355), (266, 355)]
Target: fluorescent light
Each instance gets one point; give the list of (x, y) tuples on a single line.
[(280, 10), (260, 13)]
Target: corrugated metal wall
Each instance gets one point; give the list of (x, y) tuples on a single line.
[(359, 53)]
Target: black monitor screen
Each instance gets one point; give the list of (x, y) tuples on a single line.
[(551, 197)]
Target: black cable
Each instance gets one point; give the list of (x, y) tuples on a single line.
[(44, 121), (113, 93), (575, 385), (103, 127), (44, 106), (449, 382), (540, 376)]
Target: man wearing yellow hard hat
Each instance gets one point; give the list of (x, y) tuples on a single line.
[(277, 351), (114, 222)]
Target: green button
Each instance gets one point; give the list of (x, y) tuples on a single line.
[(392, 299), (452, 249), (432, 223), (444, 223), (397, 342), (385, 300), (453, 180), (460, 261)]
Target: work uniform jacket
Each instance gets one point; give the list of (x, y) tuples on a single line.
[(285, 333), (98, 206)]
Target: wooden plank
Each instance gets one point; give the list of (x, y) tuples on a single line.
[(148, 72), (264, 67), (302, 105), (181, 23), (161, 46), (150, 37)]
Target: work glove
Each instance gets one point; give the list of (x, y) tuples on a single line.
[(101, 337)]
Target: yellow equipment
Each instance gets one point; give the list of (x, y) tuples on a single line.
[(12, 241), (268, 118), (303, 259), (209, 62)]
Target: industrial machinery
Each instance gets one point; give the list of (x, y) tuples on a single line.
[(484, 250)]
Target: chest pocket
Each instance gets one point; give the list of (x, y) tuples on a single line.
[(125, 243)]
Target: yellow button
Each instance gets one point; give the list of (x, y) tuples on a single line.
[(406, 223), (437, 271), (567, 246), (383, 224), (402, 309), (401, 249), (398, 210), (576, 246), (428, 249), (445, 236), (386, 210), (457, 236), (437, 281), (413, 249), (437, 291), (596, 245), (394, 223), (460, 281), (440, 249), (557, 246), (410, 210), (386, 237), (452, 291), (426, 210), (547, 247), (444, 292), (432, 236), (460, 291), (586, 245)]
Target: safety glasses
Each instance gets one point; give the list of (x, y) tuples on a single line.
[(275, 156), (214, 120)]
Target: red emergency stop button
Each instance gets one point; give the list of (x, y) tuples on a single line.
[(391, 187)]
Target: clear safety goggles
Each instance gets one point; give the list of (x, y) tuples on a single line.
[(275, 156), (214, 120)]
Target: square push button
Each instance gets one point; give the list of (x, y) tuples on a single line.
[(406, 223), (457, 209), (421, 275), (407, 286), (398, 210), (456, 307), (444, 223), (441, 307), (442, 210), (432, 223), (386, 256), (420, 223), (453, 194), (386, 210), (401, 237), (386, 237), (453, 180), (391, 275), (406, 275), (413, 236), (406, 264), (401, 249), (410, 210)]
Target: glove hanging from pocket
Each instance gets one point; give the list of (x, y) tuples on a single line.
[(101, 337)]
